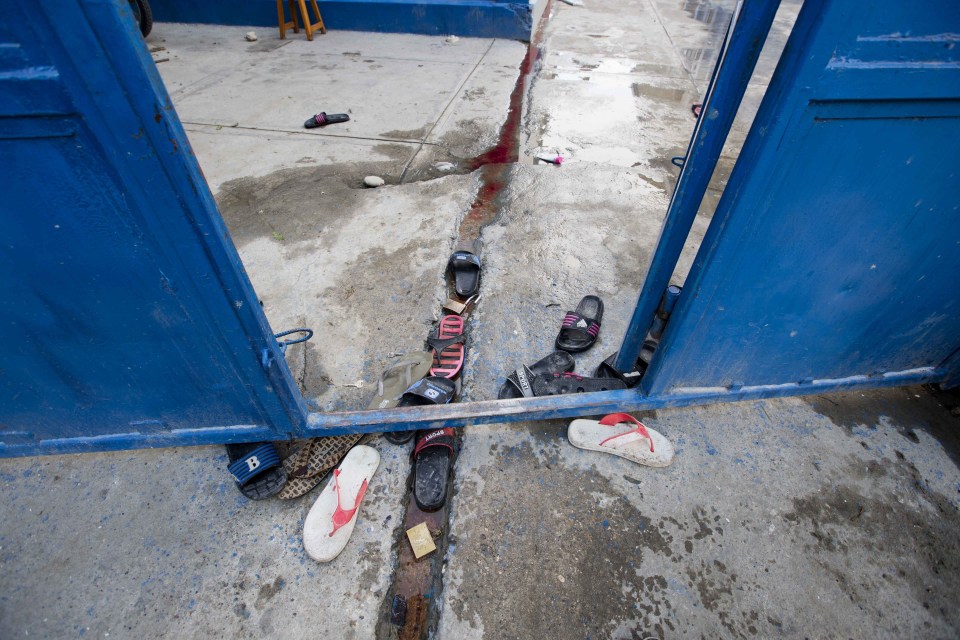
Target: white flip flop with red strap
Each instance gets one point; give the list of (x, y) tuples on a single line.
[(332, 517), (622, 435)]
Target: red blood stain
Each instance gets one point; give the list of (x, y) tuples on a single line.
[(495, 161)]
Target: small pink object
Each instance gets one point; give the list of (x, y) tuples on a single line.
[(558, 160)]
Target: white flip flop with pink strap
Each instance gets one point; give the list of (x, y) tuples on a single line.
[(332, 517), (622, 435)]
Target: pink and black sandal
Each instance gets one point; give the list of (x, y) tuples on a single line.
[(323, 118), (581, 327), (448, 351)]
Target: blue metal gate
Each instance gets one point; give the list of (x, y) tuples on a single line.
[(127, 319), (832, 261), (834, 252)]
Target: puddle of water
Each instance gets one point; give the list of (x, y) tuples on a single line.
[(642, 90), (617, 156), (612, 65)]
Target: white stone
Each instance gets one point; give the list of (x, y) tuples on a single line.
[(373, 181), (251, 36)]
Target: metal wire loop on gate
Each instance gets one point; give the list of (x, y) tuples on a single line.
[(283, 344)]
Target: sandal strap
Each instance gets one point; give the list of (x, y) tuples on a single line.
[(617, 418), (436, 438), (342, 516), (522, 379), (409, 364), (464, 258), (430, 391), (320, 118), (263, 458), (439, 344), (573, 321), (298, 465)]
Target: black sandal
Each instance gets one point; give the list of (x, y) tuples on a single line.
[(557, 384), (518, 383), (429, 390), (581, 327), (465, 267), (432, 461), (323, 118), (631, 378)]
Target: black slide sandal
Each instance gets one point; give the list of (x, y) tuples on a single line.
[(432, 460), (465, 267), (429, 390), (557, 384), (581, 327), (323, 118), (518, 382), (630, 378), (257, 469)]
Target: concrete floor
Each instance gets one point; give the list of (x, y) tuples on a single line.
[(832, 516)]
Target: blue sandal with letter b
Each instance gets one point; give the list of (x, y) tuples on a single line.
[(257, 469)]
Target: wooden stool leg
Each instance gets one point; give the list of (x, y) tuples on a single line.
[(281, 19), (293, 16), (306, 20), (319, 22)]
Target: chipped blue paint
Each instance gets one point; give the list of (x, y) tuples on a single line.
[(710, 449)]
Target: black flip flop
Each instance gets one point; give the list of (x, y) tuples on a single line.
[(518, 382), (429, 390), (323, 118), (432, 460), (257, 469), (581, 327), (556, 384), (465, 267)]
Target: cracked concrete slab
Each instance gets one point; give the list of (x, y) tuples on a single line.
[(777, 518)]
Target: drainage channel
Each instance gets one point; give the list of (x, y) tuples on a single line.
[(411, 609), (494, 163)]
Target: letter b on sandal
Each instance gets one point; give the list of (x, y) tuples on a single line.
[(252, 463)]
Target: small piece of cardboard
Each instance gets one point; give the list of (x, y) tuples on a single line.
[(421, 540), (460, 308), (454, 306)]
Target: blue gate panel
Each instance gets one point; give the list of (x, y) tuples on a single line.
[(473, 18), (835, 250), (127, 319)]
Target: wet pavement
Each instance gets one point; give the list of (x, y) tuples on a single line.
[(831, 516)]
